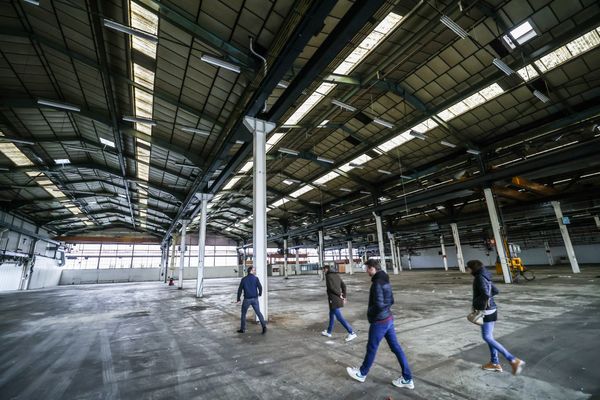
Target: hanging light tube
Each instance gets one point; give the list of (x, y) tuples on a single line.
[(139, 120), (220, 63), (288, 151), (447, 144), (325, 160), (474, 152), (418, 135), (453, 26), (383, 171), (383, 122), (501, 65), (14, 140), (541, 96), (343, 105), (56, 104), (130, 31), (189, 129)]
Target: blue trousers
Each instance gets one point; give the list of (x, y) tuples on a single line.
[(377, 331), (487, 332), (337, 313), (245, 305)]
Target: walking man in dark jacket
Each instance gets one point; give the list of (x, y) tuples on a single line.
[(483, 300), (336, 294), (252, 289), (381, 323)]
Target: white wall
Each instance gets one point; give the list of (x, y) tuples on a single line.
[(115, 275), (46, 273), (429, 258), (10, 276)]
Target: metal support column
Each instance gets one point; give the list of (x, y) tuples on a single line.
[(548, 253), (459, 254), (498, 237), (393, 250), (350, 268), (260, 129), (184, 225), (204, 198), (321, 253), (381, 241), (285, 258), (444, 257), (297, 261), (399, 255), (597, 220), (566, 238), (172, 263)]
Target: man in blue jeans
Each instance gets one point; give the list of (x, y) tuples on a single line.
[(381, 323), (336, 294), (252, 289)]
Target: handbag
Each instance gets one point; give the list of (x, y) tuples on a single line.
[(476, 317)]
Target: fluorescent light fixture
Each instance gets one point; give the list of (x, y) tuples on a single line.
[(57, 104), (290, 181), (138, 120), (283, 84), (288, 151), (418, 135), (383, 171), (15, 140), (405, 177), (473, 151), (325, 160), (501, 65), (343, 105), (220, 63), (365, 192), (62, 161), (323, 124), (541, 96), (107, 142), (130, 31), (453, 26), (447, 144), (183, 164), (33, 2), (315, 202), (189, 129), (353, 165), (345, 189), (383, 122)]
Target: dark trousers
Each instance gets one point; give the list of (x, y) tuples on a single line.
[(377, 331), (245, 305)]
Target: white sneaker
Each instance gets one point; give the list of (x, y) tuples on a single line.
[(355, 374), (351, 336), (401, 383), (325, 333)]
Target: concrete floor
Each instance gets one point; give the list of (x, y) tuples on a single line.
[(151, 341)]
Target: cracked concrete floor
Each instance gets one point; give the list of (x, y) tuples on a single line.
[(152, 341)]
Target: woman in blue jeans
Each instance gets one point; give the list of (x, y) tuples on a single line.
[(483, 299), (336, 293)]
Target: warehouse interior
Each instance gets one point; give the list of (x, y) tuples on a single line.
[(152, 150)]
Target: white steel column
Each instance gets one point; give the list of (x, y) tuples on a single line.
[(566, 238), (491, 206), (321, 253), (260, 129), (393, 250), (202, 244), (297, 261), (399, 255), (184, 225), (285, 258), (597, 220), (459, 254), (349, 270), (548, 253), (444, 257), (381, 241)]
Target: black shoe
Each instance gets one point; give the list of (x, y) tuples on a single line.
[(240, 331), (264, 330)]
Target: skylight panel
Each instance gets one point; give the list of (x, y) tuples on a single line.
[(553, 59), (354, 163), (396, 141), (146, 21), (491, 91), (301, 191), (584, 43), (528, 72), (107, 142), (424, 126), (446, 115), (143, 76), (232, 183), (247, 167), (279, 203), (474, 100), (310, 103), (523, 33), (326, 178)]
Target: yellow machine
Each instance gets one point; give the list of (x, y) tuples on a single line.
[(515, 264)]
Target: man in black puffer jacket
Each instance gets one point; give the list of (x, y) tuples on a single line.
[(381, 323)]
